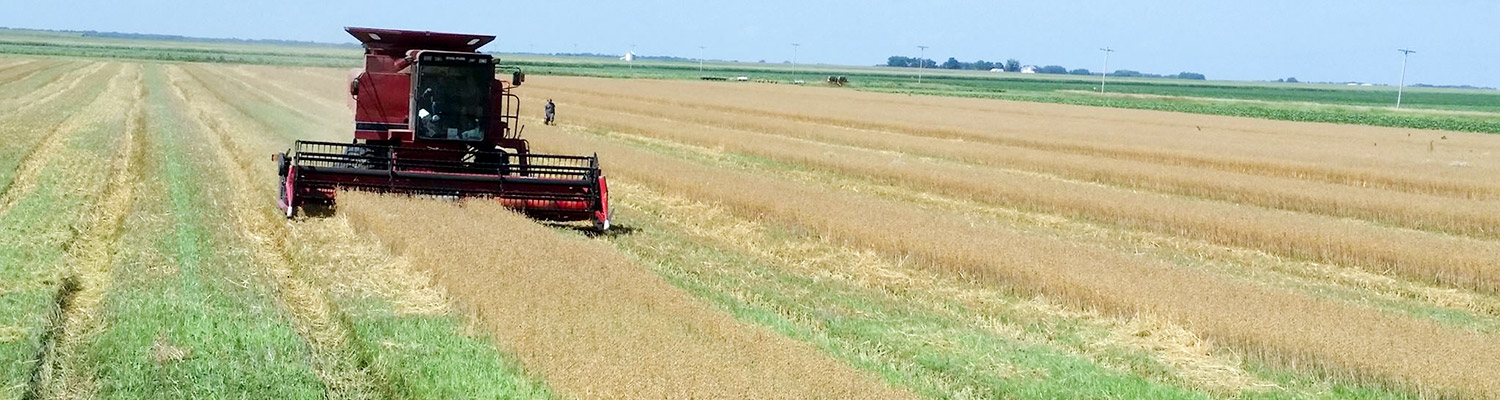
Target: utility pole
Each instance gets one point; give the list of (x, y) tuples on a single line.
[(700, 59), (630, 57), (794, 52), (1404, 54), (920, 55), (1105, 73)]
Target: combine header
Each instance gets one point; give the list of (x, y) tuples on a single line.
[(430, 118)]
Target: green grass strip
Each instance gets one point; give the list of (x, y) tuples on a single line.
[(187, 316), (34, 235)]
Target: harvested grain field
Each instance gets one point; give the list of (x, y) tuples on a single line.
[(772, 242)]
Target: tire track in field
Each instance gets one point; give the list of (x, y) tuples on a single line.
[(92, 259), (343, 374), (1288, 169), (32, 164)]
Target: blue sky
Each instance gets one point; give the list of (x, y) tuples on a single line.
[(1457, 41)]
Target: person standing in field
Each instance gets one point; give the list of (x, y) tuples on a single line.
[(551, 111)]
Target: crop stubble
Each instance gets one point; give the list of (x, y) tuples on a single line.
[(591, 322), (1271, 323)]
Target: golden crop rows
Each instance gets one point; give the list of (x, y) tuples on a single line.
[(1290, 195)]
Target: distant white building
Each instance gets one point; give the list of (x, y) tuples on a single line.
[(1029, 69), (997, 69)]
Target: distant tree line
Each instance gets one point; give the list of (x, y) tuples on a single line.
[(152, 36), (1125, 73), (1013, 65), (910, 62), (1424, 85)]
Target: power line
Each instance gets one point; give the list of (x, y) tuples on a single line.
[(1104, 73), (1404, 54), (920, 55)]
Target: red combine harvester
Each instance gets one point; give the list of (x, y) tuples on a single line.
[(430, 118)]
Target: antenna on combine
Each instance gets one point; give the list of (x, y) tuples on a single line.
[(1404, 54), (1104, 73)]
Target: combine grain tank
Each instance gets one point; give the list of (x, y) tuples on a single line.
[(430, 118)]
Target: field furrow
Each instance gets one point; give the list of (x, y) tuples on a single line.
[(1272, 324), (591, 322)]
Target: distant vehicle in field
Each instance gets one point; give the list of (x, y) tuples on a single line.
[(838, 80)]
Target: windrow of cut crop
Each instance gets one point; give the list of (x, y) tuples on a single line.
[(314, 88), (1455, 261), (361, 315), (39, 222), (593, 324), (1269, 148), (343, 375), (22, 132), (900, 321), (188, 314), (1459, 308), (12, 63), (91, 258), (1288, 328), (1416, 211), (25, 77)]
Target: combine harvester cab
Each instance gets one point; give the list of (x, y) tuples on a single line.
[(430, 118)]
